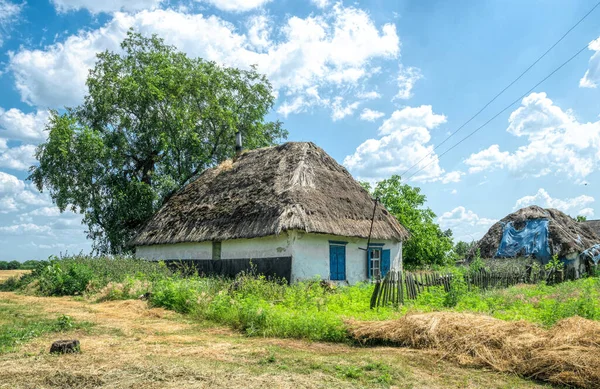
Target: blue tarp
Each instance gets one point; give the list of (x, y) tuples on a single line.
[(532, 240), (592, 253)]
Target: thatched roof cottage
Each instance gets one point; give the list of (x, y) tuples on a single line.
[(290, 206)]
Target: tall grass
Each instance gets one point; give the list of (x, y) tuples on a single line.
[(309, 309)]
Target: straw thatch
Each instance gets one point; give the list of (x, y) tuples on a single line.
[(565, 235), (594, 225), (294, 186), (568, 353)]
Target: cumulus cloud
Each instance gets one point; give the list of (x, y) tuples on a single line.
[(9, 15), (407, 78), (587, 212), (557, 143), (333, 51), (25, 127), (18, 158), (573, 205), (405, 142), (98, 6), (16, 195), (407, 117), (465, 224), (370, 115), (591, 78)]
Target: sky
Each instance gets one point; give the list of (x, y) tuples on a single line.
[(378, 84)]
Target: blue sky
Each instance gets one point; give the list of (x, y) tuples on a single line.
[(376, 83)]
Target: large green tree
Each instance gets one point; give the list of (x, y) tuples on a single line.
[(428, 244), (152, 120)]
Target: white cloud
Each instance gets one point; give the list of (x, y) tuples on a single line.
[(557, 143), (591, 78), (371, 95), (26, 228), (9, 13), (340, 111), (587, 212), (237, 5), (10, 184), (320, 3), (488, 158), (98, 6), (334, 51), (407, 78), (370, 115), (259, 31), (572, 205), (465, 224), (45, 211), (16, 195), (26, 127), (404, 144), (18, 158), (407, 117)]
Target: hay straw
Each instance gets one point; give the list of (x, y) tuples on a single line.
[(569, 353)]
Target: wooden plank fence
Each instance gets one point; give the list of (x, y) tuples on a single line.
[(399, 286)]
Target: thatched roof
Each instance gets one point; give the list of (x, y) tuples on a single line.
[(565, 235), (294, 186), (594, 225)]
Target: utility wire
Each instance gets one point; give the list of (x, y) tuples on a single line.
[(501, 112), (504, 90)]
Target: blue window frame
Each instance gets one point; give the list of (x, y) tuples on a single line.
[(337, 261), (379, 261)]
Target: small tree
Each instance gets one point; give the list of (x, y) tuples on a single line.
[(428, 244)]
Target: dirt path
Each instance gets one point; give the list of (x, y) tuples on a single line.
[(132, 346)]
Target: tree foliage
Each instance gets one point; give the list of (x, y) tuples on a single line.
[(428, 244), (462, 249), (152, 120)]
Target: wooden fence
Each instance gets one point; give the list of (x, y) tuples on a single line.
[(398, 286)]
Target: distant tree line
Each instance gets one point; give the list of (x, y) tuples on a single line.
[(16, 265)]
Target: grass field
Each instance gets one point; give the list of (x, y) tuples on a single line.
[(128, 345)]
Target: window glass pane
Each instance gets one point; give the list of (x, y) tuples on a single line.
[(216, 250)]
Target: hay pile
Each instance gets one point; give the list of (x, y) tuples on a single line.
[(569, 353), (565, 235)]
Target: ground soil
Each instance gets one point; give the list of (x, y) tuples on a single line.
[(133, 346)]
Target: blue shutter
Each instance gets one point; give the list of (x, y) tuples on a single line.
[(337, 262), (385, 262)]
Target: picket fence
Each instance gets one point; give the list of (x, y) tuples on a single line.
[(397, 286)]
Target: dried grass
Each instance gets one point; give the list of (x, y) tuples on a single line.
[(569, 353)]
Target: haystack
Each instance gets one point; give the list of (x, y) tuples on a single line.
[(565, 236), (568, 353), (264, 192)]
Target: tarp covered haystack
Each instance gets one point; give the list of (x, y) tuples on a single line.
[(537, 232)]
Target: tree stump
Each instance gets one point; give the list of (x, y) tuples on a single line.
[(65, 347)]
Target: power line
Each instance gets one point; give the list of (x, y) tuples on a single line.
[(505, 88), (501, 112)]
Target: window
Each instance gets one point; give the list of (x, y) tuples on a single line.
[(337, 261), (375, 263), (216, 250)]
